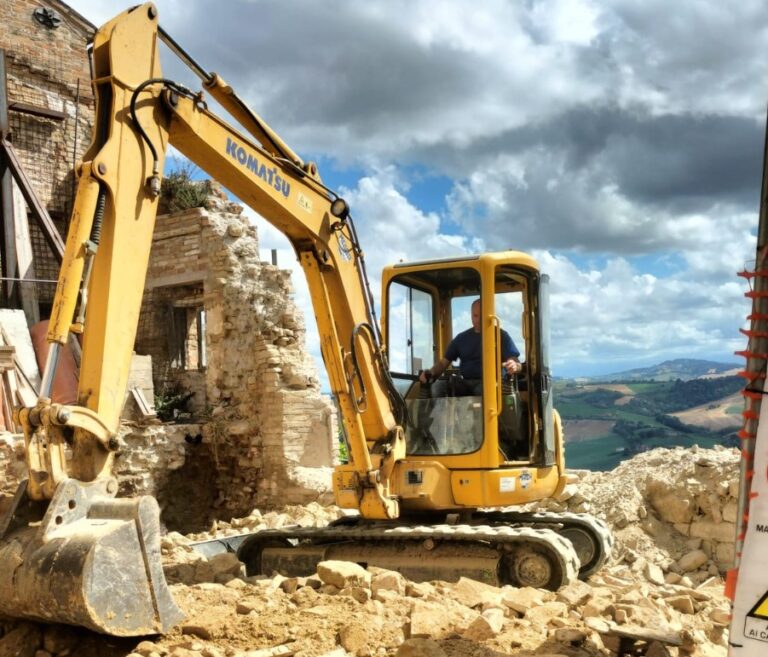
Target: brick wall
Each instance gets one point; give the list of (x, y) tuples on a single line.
[(48, 68)]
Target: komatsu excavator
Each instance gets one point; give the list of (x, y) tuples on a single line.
[(429, 472)]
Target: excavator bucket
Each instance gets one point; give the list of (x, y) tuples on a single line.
[(88, 560)]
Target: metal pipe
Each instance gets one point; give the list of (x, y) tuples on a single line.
[(51, 363), (89, 258), (28, 280), (177, 50)]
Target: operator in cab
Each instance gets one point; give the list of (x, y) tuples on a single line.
[(467, 348)]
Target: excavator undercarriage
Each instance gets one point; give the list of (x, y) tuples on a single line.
[(541, 550)]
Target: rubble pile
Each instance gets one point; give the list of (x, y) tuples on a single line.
[(661, 595)]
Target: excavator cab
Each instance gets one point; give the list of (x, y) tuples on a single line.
[(497, 419)]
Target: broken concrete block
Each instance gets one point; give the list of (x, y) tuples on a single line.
[(546, 612), (682, 603), (576, 593), (653, 573)]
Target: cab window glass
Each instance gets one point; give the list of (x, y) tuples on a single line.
[(411, 329)]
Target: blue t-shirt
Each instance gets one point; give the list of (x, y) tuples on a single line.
[(467, 347)]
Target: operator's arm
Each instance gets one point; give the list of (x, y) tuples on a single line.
[(510, 354), (435, 371), (452, 353)]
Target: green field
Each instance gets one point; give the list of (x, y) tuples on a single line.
[(607, 452), (645, 422), (735, 409)]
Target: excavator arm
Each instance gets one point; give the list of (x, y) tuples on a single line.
[(70, 449)]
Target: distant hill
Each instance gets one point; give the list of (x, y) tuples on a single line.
[(684, 369), (677, 403)]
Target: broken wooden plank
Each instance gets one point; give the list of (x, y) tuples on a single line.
[(145, 408), (34, 110), (7, 353), (24, 258), (75, 348), (14, 330), (6, 194), (9, 395), (25, 393)]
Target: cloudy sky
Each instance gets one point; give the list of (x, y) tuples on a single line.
[(619, 141)]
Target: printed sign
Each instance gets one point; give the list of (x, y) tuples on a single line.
[(756, 623), (506, 484)]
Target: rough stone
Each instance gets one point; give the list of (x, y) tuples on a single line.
[(343, 574), (388, 581), (472, 593), (226, 563), (21, 641), (521, 600), (420, 648), (487, 625), (354, 636), (430, 620), (692, 560)]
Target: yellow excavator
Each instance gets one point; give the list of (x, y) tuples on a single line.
[(430, 470)]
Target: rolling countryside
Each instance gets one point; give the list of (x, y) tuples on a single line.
[(684, 402)]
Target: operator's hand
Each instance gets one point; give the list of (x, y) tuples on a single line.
[(512, 366), (425, 376)]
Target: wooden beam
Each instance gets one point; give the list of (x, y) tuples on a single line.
[(6, 196), (50, 232), (25, 259), (33, 110)]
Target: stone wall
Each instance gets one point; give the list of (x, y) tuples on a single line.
[(261, 382), (48, 68), (269, 429)]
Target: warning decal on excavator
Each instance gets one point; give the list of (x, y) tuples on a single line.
[(756, 622)]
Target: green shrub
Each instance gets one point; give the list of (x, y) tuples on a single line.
[(180, 192)]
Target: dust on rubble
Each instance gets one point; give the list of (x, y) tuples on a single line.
[(661, 595)]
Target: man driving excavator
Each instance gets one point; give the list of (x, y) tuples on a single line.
[(467, 348)]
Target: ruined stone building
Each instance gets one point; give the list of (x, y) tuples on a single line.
[(225, 340)]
